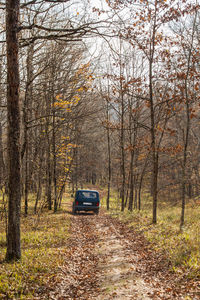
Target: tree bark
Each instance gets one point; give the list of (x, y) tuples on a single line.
[(13, 112), (187, 130), (49, 179), (26, 111), (2, 166), (54, 159), (48, 150), (152, 117), (122, 137), (109, 157), (130, 206)]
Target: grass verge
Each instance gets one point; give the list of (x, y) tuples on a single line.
[(181, 248), (43, 243)]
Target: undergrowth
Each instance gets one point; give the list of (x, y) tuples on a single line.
[(181, 248), (43, 243)]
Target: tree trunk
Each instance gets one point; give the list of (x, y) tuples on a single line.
[(130, 205), (183, 188), (127, 191), (2, 166), (153, 129), (39, 192), (14, 178), (136, 192), (26, 188), (185, 159), (141, 180), (26, 111), (48, 159), (122, 138), (109, 152), (188, 124), (54, 159), (39, 183), (49, 180)]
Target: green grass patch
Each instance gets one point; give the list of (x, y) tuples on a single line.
[(43, 244), (181, 248)]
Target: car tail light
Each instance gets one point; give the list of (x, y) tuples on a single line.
[(76, 202), (97, 204)]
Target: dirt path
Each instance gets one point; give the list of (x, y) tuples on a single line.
[(118, 266), (107, 260)]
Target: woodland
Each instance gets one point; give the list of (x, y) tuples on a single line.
[(102, 94)]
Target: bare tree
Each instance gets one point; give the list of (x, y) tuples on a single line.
[(14, 178)]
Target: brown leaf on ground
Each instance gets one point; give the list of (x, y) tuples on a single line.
[(105, 259)]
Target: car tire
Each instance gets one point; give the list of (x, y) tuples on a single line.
[(96, 212), (73, 210)]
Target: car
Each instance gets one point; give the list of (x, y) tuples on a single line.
[(86, 200)]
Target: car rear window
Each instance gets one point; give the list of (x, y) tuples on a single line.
[(91, 195)]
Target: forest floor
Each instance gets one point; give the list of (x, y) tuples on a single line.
[(105, 259)]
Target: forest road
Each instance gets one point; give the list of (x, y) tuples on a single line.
[(105, 259)]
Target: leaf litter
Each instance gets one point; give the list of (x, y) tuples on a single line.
[(105, 259)]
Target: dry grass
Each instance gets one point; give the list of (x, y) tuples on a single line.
[(43, 239), (182, 248)]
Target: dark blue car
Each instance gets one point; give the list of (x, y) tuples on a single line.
[(86, 200)]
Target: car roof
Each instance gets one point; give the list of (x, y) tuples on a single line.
[(93, 191)]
